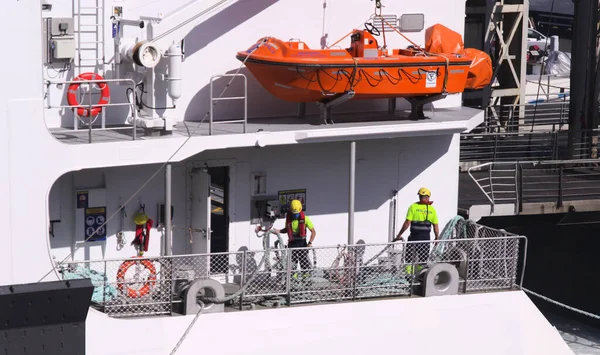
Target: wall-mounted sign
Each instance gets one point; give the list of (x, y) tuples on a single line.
[(94, 220), (287, 196), (82, 199)]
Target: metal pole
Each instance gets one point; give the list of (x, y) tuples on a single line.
[(351, 193), (168, 228)]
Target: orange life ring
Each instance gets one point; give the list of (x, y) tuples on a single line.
[(72, 95), (144, 290)]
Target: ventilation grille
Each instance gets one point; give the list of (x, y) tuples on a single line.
[(390, 19)]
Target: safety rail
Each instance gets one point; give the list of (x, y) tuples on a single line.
[(89, 106), (214, 100), (551, 111), (486, 259), (553, 181), (527, 146)]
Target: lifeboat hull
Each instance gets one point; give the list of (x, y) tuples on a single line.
[(293, 72)]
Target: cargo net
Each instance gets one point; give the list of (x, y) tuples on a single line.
[(486, 259)]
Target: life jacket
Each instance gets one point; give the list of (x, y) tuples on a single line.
[(142, 235), (301, 226), (421, 227)]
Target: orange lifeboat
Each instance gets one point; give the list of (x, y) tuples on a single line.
[(292, 71)]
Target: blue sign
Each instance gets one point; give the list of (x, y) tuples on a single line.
[(95, 230)]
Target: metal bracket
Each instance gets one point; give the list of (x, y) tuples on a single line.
[(326, 106)]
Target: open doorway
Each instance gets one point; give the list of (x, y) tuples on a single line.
[(219, 216)]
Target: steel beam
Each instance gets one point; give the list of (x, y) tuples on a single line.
[(351, 187), (583, 105), (504, 23)]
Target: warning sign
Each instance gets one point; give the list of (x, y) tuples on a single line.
[(431, 79), (287, 196), (94, 220)]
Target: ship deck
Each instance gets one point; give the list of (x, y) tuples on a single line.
[(311, 123)]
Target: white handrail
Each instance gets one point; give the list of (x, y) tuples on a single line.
[(131, 102)]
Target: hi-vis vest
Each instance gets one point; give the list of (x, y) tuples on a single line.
[(421, 217)]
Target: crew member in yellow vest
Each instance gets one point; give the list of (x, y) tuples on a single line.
[(420, 217), (296, 224)]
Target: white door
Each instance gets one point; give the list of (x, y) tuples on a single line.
[(201, 204)]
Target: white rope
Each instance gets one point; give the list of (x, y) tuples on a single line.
[(592, 315), (189, 328)]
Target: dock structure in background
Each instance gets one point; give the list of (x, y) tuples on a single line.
[(505, 40)]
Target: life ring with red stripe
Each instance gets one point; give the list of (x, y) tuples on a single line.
[(104, 95), (147, 286)]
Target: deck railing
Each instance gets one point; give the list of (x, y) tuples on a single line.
[(486, 260), (94, 87), (553, 181)]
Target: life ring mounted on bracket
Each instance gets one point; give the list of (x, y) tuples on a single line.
[(83, 111), (147, 285)]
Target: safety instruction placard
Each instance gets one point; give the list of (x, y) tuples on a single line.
[(431, 79), (94, 222), (287, 196), (82, 199)]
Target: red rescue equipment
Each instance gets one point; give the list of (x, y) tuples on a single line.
[(142, 233), (104, 95), (301, 226), (147, 286)]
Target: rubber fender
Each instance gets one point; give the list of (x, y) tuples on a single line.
[(212, 288), (440, 280)]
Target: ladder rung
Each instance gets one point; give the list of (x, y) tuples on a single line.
[(94, 25), (229, 98), (92, 42), (85, 14), (90, 59), (90, 7)]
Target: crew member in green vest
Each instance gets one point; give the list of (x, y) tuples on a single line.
[(296, 225), (420, 217)]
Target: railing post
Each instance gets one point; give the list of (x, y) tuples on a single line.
[(90, 114), (495, 154), (288, 278), (520, 187), (517, 202), (594, 147), (559, 203), (555, 144), (243, 279), (492, 187)]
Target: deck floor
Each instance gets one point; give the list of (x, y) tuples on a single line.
[(275, 124)]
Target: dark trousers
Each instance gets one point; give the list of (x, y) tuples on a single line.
[(299, 255), (419, 252)]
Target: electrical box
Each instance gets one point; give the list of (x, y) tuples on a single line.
[(264, 208), (59, 38), (63, 48)]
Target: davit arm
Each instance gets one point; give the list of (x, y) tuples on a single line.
[(164, 35)]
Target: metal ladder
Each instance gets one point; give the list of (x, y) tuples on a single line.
[(214, 100), (90, 26)]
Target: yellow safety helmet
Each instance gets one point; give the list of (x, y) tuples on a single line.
[(296, 206), (140, 218), (423, 191)]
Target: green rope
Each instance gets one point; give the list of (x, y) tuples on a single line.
[(103, 290), (455, 229)]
